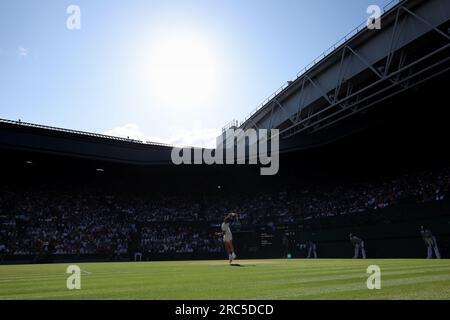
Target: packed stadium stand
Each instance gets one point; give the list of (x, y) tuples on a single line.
[(380, 172), (382, 183), (76, 219)]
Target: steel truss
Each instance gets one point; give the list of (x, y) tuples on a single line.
[(389, 80)]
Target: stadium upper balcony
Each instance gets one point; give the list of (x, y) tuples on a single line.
[(19, 135), (82, 133)]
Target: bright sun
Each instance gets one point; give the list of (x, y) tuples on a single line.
[(183, 71)]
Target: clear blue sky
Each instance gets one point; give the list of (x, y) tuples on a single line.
[(113, 74)]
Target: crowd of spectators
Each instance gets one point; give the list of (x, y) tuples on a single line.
[(84, 220)]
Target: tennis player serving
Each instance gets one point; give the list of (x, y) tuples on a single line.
[(228, 236)]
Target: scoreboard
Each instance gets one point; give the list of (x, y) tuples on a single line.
[(266, 239)]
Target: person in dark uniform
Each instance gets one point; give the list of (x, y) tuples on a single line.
[(311, 247), (358, 243), (430, 242)]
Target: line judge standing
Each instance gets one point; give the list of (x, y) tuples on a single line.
[(358, 243), (430, 242)]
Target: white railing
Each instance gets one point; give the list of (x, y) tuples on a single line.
[(230, 125)]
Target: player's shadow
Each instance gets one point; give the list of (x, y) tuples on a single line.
[(242, 265)]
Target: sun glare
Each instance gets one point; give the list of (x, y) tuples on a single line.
[(183, 71)]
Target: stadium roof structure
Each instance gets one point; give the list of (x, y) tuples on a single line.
[(361, 71), (25, 136), (78, 132), (331, 99)]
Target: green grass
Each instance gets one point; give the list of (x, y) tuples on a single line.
[(254, 279)]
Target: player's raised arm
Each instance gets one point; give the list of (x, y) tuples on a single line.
[(231, 216)]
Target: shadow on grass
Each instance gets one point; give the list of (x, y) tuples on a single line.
[(242, 265)]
